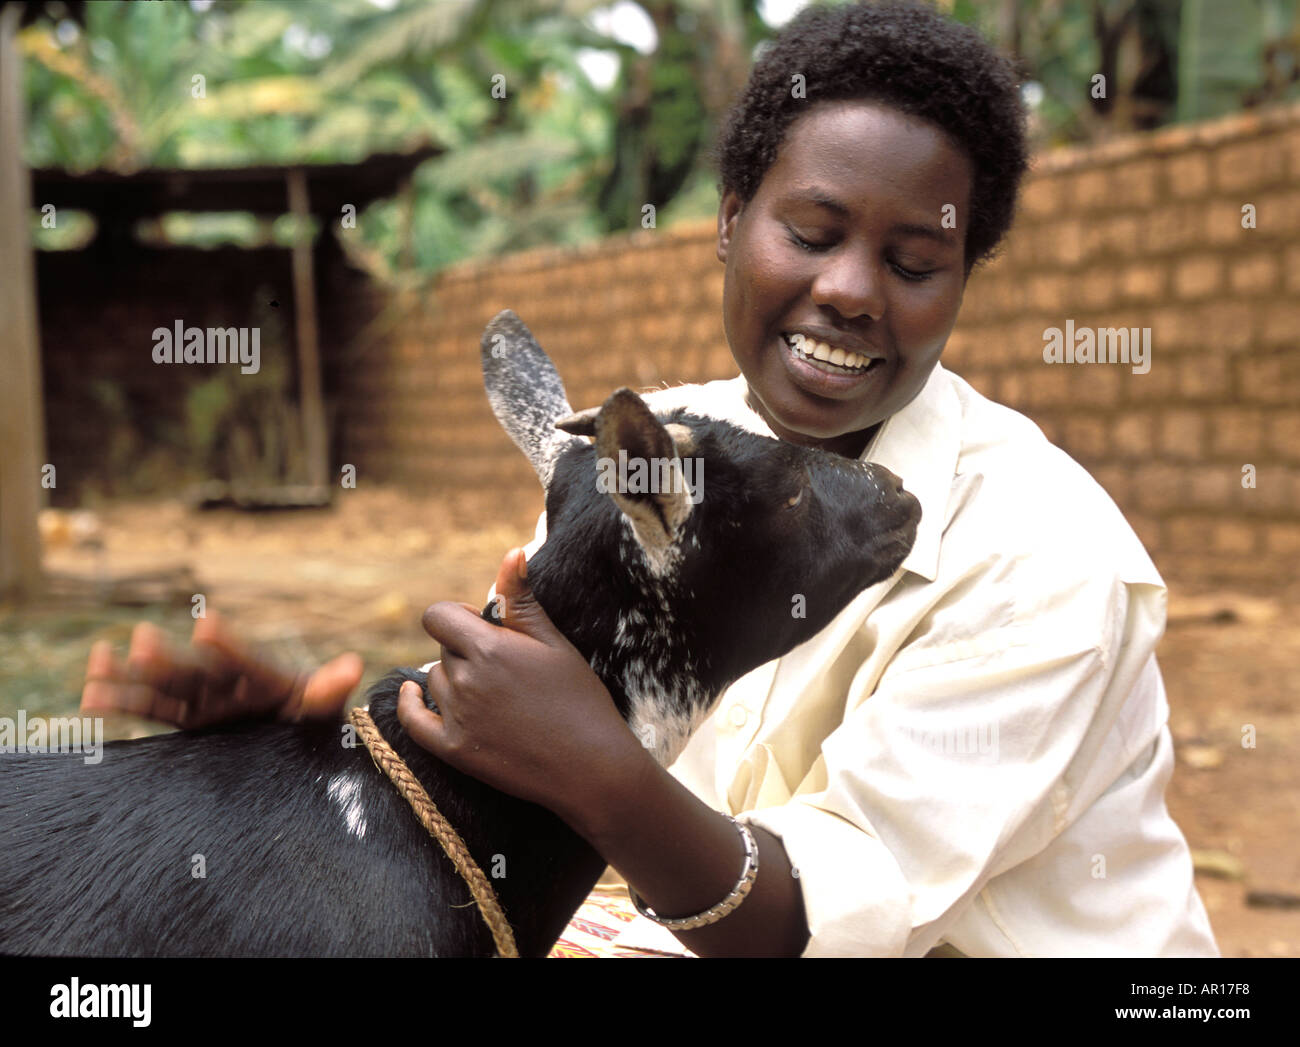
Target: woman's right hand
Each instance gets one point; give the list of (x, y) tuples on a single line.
[(215, 680)]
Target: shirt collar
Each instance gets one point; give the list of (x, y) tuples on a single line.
[(921, 444)]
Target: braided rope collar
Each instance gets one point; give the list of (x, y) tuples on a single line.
[(439, 828)]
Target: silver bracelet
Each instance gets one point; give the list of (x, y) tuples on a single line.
[(732, 901)]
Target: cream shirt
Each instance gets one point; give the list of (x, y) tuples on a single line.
[(975, 751)]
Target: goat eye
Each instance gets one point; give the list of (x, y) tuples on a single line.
[(792, 502)]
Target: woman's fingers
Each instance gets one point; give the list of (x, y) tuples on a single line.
[(105, 676), (327, 690), (214, 680), (426, 728)]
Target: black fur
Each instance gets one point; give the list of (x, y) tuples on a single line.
[(97, 858)]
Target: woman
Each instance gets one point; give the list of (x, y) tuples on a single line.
[(974, 753)]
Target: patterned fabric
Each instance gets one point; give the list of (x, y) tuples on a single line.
[(608, 926)]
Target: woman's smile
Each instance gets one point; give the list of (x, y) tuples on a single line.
[(845, 270)]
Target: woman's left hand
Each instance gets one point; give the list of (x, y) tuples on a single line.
[(519, 708)]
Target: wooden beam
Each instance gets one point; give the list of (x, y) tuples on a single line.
[(310, 401), (22, 417)]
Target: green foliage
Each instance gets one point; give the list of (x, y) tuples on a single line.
[(556, 159)]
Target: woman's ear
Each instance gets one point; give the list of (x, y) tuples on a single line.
[(729, 209)]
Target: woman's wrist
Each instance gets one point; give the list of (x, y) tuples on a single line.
[(682, 857)]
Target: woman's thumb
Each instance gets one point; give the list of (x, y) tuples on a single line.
[(514, 604)]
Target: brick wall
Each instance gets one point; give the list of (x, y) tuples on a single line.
[(1142, 232)]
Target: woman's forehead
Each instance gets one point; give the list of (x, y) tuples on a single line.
[(839, 151)]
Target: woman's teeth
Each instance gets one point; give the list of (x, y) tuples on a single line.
[(824, 358)]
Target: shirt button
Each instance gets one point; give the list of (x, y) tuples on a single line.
[(738, 716)]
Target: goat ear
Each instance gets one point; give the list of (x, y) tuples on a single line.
[(658, 506), (525, 392), (583, 423)]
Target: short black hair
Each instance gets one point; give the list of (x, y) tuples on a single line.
[(905, 56)]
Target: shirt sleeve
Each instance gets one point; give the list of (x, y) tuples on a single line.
[(968, 757)]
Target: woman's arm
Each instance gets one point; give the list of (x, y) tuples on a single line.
[(682, 857)]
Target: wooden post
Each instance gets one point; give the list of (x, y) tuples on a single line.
[(311, 403), (22, 417)]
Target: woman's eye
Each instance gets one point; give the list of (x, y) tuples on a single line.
[(912, 274), (807, 245)]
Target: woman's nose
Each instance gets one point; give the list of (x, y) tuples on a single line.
[(852, 285)]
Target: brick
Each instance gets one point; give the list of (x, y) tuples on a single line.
[(1087, 437), (1173, 329), (1234, 537), (1096, 287), (1068, 243), (1182, 434), (998, 296), (1134, 436), (1134, 184), (1224, 325), (1274, 493), (1158, 487), (1094, 386), (1197, 277), (1236, 431), (1014, 389), (1213, 486), (1159, 385), (1204, 377), (983, 381), (1091, 189), (1188, 175), (1281, 324), (1022, 344), (1256, 274), (1143, 283), (1283, 434), (1223, 220), (1170, 229), (1187, 534), (1048, 385), (1282, 539), (1250, 165), (1269, 379), (1276, 214), (1044, 292), (1120, 236), (1292, 146), (1042, 197), (1291, 268)]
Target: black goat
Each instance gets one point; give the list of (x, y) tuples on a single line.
[(672, 591)]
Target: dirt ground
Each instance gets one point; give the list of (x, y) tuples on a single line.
[(309, 585)]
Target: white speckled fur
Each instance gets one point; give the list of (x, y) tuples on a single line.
[(345, 790)]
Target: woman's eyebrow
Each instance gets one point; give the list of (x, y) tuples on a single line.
[(930, 232), (822, 199)]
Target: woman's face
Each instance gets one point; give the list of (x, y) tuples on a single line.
[(856, 240)]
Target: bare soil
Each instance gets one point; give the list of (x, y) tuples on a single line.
[(308, 585)]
